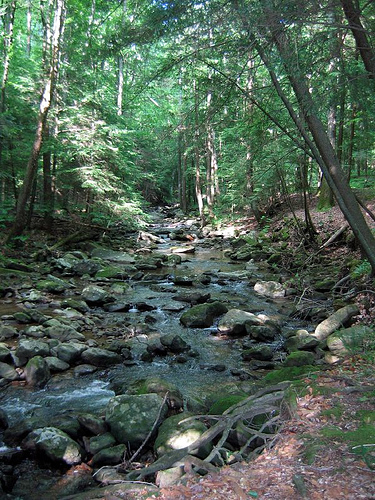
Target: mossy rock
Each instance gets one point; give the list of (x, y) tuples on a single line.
[(299, 358), (110, 272), (221, 405), (288, 373)]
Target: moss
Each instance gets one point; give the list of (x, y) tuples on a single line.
[(288, 373), (219, 407), (334, 413), (365, 434), (366, 416)]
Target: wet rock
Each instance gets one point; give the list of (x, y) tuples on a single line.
[(117, 306), (173, 260), (300, 358), (149, 237), (193, 297), (131, 418), (156, 348), (5, 355), (109, 456), (66, 262), (93, 294), (82, 370), (180, 235), (37, 372), (54, 444), (302, 341), (260, 352), (110, 272), (149, 264), (27, 349), (175, 434), (35, 331), (8, 372), (92, 423), (157, 386), (56, 365), (23, 317), (70, 352), (257, 364), (113, 256), (98, 443), (262, 333), (7, 332), (234, 322), (53, 285), (270, 289), (100, 357), (83, 267), (174, 343), (183, 249), (183, 280), (338, 319), (203, 315)]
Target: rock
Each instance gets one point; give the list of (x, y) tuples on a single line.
[(169, 477), (66, 262), (149, 237), (109, 456), (270, 289), (160, 387), (37, 372), (337, 320), (302, 341), (111, 272), (183, 280), (56, 365), (100, 357), (257, 364), (261, 352), (234, 322), (22, 317), (175, 434), (174, 343), (262, 333), (89, 267), (93, 294), (113, 256), (203, 315), (82, 370), (173, 260), (53, 285), (4, 353), (8, 372), (193, 297), (348, 340), (128, 490), (63, 333), (35, 331), (299, 358), (331, 359), (54, 444), (77, 304), (98, 443), (7, 332), (70, 352), (183, 249), (27, 349), (92, 423), (131, 418)]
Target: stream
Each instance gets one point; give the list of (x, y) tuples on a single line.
[(214, 364)]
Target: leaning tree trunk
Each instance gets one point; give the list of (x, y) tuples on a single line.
[(20, 221), (331, 166)]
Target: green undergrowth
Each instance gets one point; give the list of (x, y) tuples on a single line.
[(292, 373)]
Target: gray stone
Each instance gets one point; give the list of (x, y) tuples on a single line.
[(302, 341), (131, 418), (4, 424), (27, 349), (82, 370), (113, 256), (262, 333), (63, 333), (100, 357), (203, 315), (70, 352), (7, 332), (4, 353), (174, 343), (89, 267), (183, 249), (158, 386), (56, 365), (92, 423), (261, 352), (348, 340), (53, 285), (270, 289), (8, 372), (77, 304), (35, 331), (109, 456), (337, 320), (234, 322), (98, 443), (37, 372), (93, 294), (300, 358), (54, 444)]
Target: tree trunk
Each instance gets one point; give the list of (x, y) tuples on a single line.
[(331, 167), (197, 158), (353, 15), (44, 107), (120, 85)]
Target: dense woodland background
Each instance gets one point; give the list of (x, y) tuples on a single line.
[(222, 106)]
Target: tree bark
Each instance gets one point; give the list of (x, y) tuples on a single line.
[(44, 107)]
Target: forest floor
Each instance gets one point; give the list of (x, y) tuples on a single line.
[(327, 449)]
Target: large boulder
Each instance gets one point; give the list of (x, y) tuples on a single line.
[(7, 332), (63, 333), (37, 372), (54, 444), (86, 266), (235, 321), (4, 353), (100, 357), (158, 386), (94, 295), (175, 433), (337, 320), (69, 352), (132, 418), (203, 315), (301, 341), (8, 372), (260, 352), (348, 340), (270, 289), (174, 343), (300, 358)]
